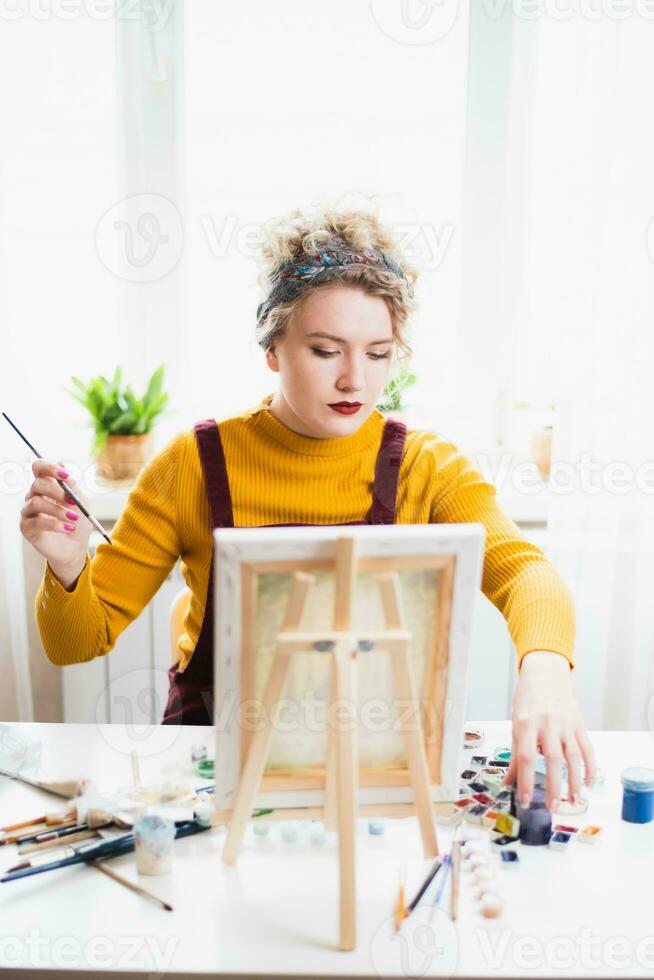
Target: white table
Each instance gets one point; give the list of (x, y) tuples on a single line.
[(587, 912)]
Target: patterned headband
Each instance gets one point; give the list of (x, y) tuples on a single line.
[(295, 276)]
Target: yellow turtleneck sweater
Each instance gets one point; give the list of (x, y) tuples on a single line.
[(280, 477)]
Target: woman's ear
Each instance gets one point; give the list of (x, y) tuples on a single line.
[(271, 359)]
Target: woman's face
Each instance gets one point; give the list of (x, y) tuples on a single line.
[(337, 348)]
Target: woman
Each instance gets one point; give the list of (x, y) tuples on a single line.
[(338, 301)]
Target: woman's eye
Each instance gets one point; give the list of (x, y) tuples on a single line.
[(332, 353)]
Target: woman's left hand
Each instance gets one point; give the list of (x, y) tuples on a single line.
[(546, 717)]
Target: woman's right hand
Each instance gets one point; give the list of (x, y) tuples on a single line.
[(53, 523)]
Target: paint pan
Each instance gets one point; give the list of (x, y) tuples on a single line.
[(589, 834), (509, 859), (507, 824), (473, 738), (446, 816), (475, 813), (559, 840), (503, 839), (477, 787)]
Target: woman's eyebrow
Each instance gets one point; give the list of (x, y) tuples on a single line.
[(341, 340)]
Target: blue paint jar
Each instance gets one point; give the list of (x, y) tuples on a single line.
[(637, 795)]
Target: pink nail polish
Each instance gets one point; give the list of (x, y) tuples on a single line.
[(69, 527), (525, 799), (71, 515), (62, 474)]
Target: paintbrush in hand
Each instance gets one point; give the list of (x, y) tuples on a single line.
[(62, 483)]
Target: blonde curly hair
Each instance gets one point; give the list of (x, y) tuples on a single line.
[(298, 233)]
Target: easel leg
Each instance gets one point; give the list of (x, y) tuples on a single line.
[(405, 690), (260, 743), (415, 751), (344, 667), (256, 761), (331, 765)]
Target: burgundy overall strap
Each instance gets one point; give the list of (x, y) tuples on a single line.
[(215, 473), (387, 473)]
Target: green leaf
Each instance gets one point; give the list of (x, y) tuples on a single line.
[(154, 386), (123, 424)]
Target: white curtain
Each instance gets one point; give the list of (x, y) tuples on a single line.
[(589, 275)]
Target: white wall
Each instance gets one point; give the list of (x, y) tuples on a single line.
[(289, 102)]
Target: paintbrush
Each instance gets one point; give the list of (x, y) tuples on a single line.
[(136, 772), (29, 838), (400, 908), (447, 861), (48, 845), (70, 827), (456, 875), (94, 818), (425, 885), (49, 819), (62, 483), (68, 788), (130, 884), (91, 851)]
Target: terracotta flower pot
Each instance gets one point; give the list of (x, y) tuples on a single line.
[(123, 457)]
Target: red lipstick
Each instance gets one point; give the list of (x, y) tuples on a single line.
[(346, 408)]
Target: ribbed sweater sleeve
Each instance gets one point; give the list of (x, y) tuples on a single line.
[(517, 577), (123, 576)]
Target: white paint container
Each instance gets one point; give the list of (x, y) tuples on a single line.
[(154, 836)]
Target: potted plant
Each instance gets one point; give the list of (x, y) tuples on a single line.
[(122, 422), (391, 402)]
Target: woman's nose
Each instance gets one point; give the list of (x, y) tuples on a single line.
[(352, 377)]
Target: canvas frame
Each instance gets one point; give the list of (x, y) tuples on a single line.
[(240, 554)]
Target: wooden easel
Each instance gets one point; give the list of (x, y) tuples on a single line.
[(341, 770)]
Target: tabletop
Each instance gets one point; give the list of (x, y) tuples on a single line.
[(583, 912)]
